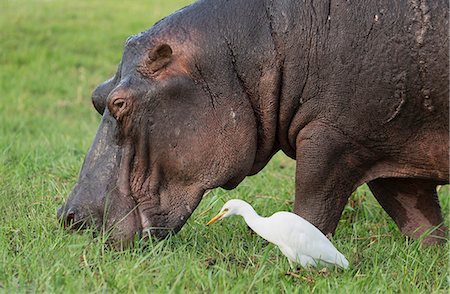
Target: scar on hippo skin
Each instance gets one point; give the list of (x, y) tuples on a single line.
[(427, 103), (399, 94), (423, 17)]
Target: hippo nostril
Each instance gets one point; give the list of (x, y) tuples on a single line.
[(70, 219), (74, 219)]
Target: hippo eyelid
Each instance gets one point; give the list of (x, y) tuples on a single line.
[(119, 102), (117, 105)]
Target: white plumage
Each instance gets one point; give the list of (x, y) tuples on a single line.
[(298, 240)]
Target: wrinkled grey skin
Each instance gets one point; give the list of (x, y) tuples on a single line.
[(355, 92)]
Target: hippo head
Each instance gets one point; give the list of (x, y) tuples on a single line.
[(164, 139)]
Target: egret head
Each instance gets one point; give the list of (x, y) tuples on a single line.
[(232, 207)]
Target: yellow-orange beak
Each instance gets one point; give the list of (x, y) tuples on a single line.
[(216, 218)]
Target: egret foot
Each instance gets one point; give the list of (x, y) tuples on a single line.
[(293, 274)]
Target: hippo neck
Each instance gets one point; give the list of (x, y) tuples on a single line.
[(254, 43), (249, 62), (259, 75)]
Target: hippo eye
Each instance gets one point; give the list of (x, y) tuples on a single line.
[(117, 107), (119, 103)]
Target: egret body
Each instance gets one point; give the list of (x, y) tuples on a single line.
[(300, 241)]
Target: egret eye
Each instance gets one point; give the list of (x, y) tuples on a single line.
[(225, 210)]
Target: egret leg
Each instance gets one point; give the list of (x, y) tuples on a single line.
[(413, 204), (329, 167)]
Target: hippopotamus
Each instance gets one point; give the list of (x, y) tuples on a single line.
[(355, 91)]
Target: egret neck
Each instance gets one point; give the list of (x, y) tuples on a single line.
[(256, 222)]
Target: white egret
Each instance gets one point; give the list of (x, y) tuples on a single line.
[(300, 241)]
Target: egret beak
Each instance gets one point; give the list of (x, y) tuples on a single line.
[(216, 218)]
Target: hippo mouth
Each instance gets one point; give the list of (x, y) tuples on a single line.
[(124, 203), (153, 220), (70, 219), (158, 233)]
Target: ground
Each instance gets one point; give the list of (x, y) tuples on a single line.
[(52, 55)]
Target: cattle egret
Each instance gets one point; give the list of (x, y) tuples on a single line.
[(300, 241)]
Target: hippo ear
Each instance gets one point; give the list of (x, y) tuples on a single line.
[(159, 57)]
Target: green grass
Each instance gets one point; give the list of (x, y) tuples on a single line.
[(53, 53)]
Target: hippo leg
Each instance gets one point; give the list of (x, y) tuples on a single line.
[(329, 167), (413, 204)]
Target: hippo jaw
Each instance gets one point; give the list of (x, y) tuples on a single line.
[(114, 195)]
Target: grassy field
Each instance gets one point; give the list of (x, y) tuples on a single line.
[(52, 55)]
